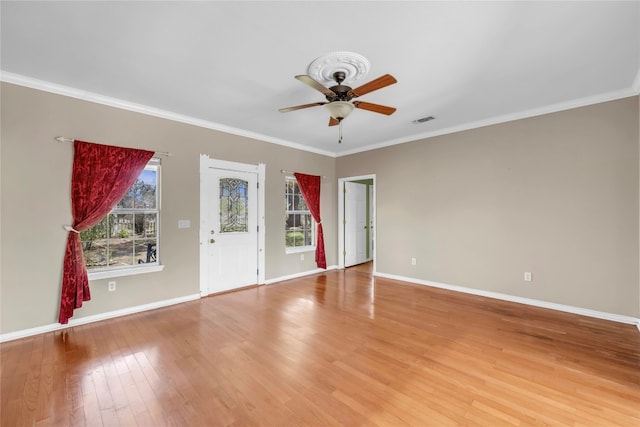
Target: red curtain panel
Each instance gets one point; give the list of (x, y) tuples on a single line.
[(101, 176), (310, 188)]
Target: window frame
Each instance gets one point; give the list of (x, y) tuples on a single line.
[(128, 270), (287, 212)]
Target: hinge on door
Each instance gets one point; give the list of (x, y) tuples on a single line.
[(344, 189), (344, 253), (344, 221), (258, 184), (258, 228)]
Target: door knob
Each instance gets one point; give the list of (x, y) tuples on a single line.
[(212, 231), (212, 241)]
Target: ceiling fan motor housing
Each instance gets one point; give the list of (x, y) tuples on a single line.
[(341, 92)]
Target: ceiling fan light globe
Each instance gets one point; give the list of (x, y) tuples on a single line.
[(339, 109)]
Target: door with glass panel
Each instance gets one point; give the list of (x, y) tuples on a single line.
[(229, 229)]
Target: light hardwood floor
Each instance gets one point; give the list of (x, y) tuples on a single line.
[(338, 348)]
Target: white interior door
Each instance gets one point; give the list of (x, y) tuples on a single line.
[(355, 225), (228, 229), (371, 230)]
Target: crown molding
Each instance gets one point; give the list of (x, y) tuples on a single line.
[(45, 86), (553, 108), (20, 80)]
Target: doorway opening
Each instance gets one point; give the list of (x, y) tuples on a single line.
[(356, 222)]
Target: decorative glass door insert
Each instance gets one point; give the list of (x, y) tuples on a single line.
[(234, 205)]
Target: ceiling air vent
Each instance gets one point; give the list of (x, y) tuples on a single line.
[(424, 119)]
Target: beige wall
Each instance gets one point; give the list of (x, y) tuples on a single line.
[(556, 195), (35, 179)]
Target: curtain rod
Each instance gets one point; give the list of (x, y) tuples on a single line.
[(65, 139), (292, 172)]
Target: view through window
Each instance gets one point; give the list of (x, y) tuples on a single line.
[(299, 229), (128, 235)]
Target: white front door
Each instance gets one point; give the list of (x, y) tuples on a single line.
[(355, 223), (229, 215)]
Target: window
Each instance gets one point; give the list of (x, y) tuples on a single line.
[(128, 236), (299, 224)]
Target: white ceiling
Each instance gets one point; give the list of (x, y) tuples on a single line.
[(230, 65)]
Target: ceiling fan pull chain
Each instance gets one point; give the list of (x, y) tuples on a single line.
[(340, 132)]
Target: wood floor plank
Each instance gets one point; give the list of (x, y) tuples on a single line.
[(340, 348)]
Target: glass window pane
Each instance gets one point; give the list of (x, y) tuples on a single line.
[(127, 201), (300, 205), (120, 252), (145, 225), (293, 232), (145, 190), (95, 253), (145, 251), (98, 231), (121, 226), (234, 216), (120, 232), (142, 194)]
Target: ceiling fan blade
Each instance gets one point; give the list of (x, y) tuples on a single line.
[(333, 122), (314, 84), (376, 108), (376, 84), (300, 107)]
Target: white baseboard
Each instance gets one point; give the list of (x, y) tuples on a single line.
[(151, 306), (95, 318), (296, 275), (130, 310), (528, 301)]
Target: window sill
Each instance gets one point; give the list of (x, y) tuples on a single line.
[(299, 249), (96, 275)]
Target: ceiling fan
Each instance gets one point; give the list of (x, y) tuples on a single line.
[(339, 96)]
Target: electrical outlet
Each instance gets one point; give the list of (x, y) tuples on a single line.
[(413, 261), (112, 286), (527, 276)]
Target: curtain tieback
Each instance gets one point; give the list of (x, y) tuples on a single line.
[(70, 228)]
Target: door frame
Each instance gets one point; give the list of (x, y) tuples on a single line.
[(373, 214), (207, 162)]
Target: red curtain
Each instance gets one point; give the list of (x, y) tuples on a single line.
[(310, 188), (101, 176)]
